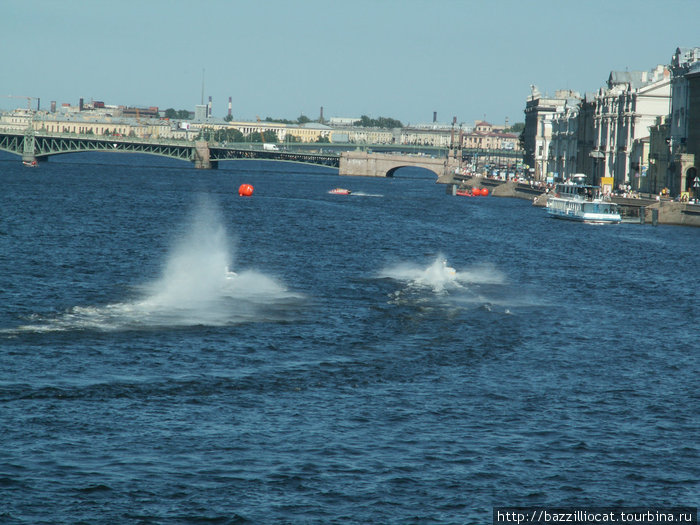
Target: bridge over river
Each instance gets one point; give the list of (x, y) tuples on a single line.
[(348, 158)]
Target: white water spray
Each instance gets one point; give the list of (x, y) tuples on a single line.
[(196, 287), (476, 286), (438, 275)]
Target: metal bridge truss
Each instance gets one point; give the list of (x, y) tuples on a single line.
[(330, 160), (46, 145), (40, 146), (12, 143)]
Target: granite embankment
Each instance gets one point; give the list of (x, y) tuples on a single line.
[(665, 211)]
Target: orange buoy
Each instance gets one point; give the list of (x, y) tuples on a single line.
[(476, 192), (245, 190), (484, 192)]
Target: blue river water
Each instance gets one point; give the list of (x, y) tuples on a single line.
[(171, 352)]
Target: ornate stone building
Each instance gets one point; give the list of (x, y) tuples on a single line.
[(563, 149), (625, 110), (657, 178), (486, 136), (689, 177), (540, 112), (685, 66), (585, 137)]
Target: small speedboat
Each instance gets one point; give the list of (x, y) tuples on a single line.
[(340, 191), (451, 272), (30, 163)]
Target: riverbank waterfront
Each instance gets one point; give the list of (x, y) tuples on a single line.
[(642, 210)]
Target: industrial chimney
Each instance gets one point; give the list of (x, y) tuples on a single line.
[(229, 107), (434, 116), (209, 108)]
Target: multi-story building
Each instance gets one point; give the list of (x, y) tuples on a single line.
[(684, 64), (362, 135), (487, 136), (563, 148), (689, 178), (16, 120), (309, 132), (436, 134), (625, 110), (537, 135), (657, 176), (585, 137)]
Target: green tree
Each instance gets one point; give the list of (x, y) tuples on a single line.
[(279, 120), (381, 122), (228, 135), (182, 114), (268, 137), (303, 119)]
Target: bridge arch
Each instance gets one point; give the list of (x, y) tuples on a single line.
[(362, 163), (392, 171)]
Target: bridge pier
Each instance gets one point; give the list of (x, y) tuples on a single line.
[(202, 156), (29, 147)]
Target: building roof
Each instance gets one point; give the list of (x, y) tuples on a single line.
[(694, 70), (633, 78), (315, 125)]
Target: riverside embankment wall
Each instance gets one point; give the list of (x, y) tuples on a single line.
[(667, 211)]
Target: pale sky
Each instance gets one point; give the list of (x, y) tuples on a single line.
[(284, 58)]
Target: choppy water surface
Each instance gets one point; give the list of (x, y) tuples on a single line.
[(173, 353)]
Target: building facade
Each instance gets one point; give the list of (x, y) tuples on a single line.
[(540, 112), (440, 135), (486, 136), (689, 177), (585, 137), (563, 149), (684, 66), (626, 108), (361, 135), (657, 176)]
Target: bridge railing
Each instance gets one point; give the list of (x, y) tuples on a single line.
[(115, 138)]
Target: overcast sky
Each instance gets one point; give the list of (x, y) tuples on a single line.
[(284, 58)]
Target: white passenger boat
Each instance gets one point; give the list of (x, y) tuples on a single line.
[(576, 201)]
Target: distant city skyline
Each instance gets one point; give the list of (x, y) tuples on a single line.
[(282, 59)]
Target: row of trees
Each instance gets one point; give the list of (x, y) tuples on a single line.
[(301, 120), (234, 135), (181, 114), (381, 122)]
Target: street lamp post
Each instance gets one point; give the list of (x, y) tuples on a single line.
[(696, 185)]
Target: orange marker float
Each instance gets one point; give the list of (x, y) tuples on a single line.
[(245, 190)]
